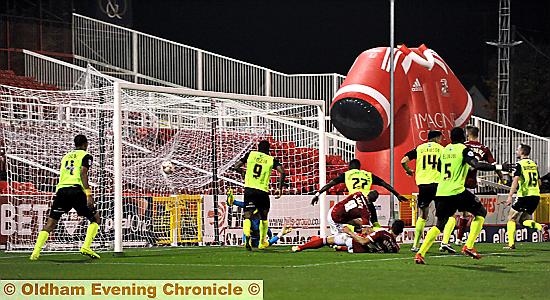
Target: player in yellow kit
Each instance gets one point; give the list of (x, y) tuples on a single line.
[(72, 191), (451, 194), (427, 174), (527, 183), (259, 165)]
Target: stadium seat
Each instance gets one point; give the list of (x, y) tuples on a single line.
[(3, 187), (8, 77)]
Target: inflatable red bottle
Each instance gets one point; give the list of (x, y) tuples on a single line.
[(427, 94)]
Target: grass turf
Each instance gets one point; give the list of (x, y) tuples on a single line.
[(315, 274)]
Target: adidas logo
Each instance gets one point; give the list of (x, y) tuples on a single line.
[(417, 87)]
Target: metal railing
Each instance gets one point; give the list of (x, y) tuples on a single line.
[(64, 75), (142, 58), (503, 141)]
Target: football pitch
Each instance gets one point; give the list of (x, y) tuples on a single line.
[(315, 274)]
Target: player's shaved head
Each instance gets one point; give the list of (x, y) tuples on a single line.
[(263, 146), (354, 164), (80, 140), (457, 135)]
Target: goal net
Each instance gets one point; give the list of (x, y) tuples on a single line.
[(132, 129)]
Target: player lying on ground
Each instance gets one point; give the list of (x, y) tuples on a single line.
[(353, 210), (357, 180), (368, 241), (255, 224)]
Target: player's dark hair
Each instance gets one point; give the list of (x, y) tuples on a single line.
[(263, 146), (397, 227), (525, 149), (434, 134), (354, 164), (372, 196), (457, 135), (472, 131), (80, 140)]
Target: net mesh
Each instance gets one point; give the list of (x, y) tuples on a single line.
[(201, 136)]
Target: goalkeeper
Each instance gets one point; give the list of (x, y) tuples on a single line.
[(255, 224), (72, 191)]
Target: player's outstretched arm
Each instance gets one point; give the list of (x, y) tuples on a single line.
[(361, 240), (239, 203), (237, 167), (331, 183), (274, 239), (470, 159), (380, 182)]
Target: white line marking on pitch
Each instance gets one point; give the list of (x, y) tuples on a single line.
[(280, 266)]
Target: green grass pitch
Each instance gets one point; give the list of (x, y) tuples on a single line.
[(315, 274)]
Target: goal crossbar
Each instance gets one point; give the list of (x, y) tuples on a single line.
[(119, 89)]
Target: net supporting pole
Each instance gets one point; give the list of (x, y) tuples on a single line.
[(322, 172), (102, 176), (117, 167), (215, 174)]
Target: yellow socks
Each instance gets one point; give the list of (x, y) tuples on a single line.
[(430, 238), (246, 227), (448, 230), (532, 224), (263, 230), (475, 229), (511, 232), (40, 241), (418, 230), (90, 235)]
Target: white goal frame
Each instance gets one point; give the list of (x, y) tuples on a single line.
[(118, 88)]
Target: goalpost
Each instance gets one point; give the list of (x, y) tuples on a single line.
[(132, 129)]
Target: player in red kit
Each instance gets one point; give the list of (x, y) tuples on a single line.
[(353, 210), (368, 241), (356, 180), (380, 241)]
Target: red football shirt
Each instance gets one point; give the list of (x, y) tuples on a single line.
[(483, 154), (381, 241), (353, 207)]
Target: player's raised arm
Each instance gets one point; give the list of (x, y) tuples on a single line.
[(380, 182), (333, 182), (470, 159)]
